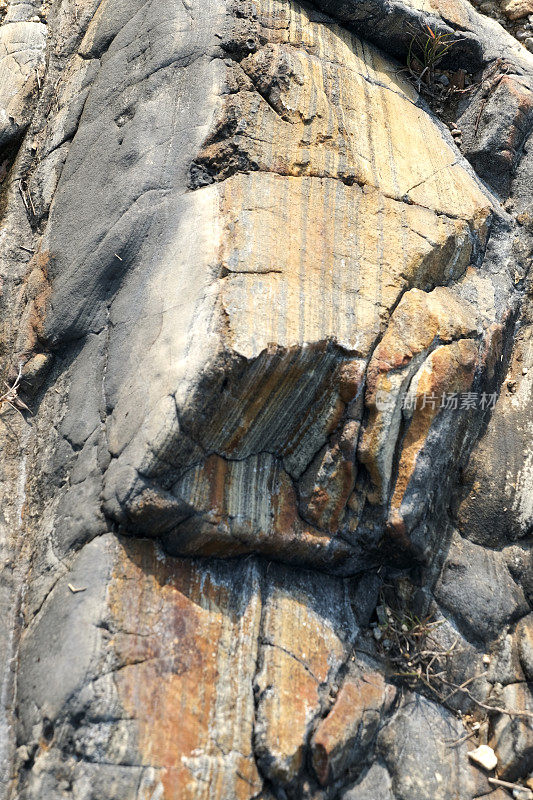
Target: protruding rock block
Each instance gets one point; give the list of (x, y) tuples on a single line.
[(513, 733), (184, 646), (307, 634), (22, 60), (255, 289), (416, 358), (344, 737), (241, 258)]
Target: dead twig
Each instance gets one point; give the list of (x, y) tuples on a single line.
[(26, 197), (506, 784), (510, 712), (11, 397), (465, 738), (403, 641)]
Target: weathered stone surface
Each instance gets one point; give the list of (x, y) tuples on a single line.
[(376, 783), (467, 598), (514, 9), (495, 125), (513, 735), (306, 635), (242, 261), (22, 56), (261, 300), (416, 749), (344, 737), (129, 694), (403, 358), (497, 501), (198, 736), (524, 634)]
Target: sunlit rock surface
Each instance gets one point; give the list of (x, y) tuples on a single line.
[(274, 329)]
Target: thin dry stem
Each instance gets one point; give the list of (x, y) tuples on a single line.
[(11, 397)]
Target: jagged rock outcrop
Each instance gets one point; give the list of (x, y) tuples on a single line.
[(266, 525)]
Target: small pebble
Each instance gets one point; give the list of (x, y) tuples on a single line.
[(522, 794), (484, 756)]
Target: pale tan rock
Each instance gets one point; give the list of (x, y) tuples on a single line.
[(515, 9), (419, 318), (22, 56), (301, 248), (302, 649), (524, 635), (369, 248), (484, 756), (230, 235), (292, 100)]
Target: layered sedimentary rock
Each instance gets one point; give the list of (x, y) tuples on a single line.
[(274, 331)]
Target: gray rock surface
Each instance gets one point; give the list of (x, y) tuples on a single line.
[(237, 240)]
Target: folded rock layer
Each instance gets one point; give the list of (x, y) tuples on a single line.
[(266, 336)]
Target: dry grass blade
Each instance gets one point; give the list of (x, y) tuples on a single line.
[(403, 642)]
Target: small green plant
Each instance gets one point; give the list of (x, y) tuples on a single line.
[(426, 50)]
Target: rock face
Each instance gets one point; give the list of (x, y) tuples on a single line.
[(266, 336)]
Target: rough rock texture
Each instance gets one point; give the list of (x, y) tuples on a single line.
[(273, 327)]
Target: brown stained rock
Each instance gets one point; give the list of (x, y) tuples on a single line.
[(419, 318), (512, 738), (301, 249), (448, 370), (524, 635), (185, 650), (235, 197), (417, 323), (325, 488), (347, 732), (246, 506), (33, 299), (306, 635)]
